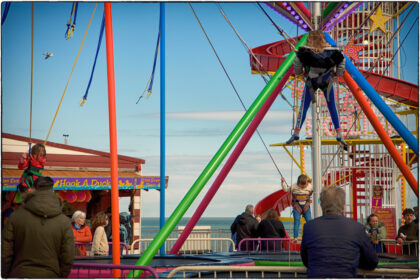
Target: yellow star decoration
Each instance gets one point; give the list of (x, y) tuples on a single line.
[(379, 20)]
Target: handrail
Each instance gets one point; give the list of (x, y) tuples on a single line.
[(109, 243), (229, 240), (116, 266), (280, 269), (259, 240)]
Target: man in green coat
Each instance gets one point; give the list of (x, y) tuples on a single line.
[(37, 240)]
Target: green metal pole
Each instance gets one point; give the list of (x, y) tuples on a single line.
[(215, 162), (328, 9)]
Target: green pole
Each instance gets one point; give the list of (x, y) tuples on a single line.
[(215, 162), (328, 9)]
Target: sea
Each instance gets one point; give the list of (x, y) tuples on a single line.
[(220, 226)]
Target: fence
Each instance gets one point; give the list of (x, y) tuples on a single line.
[(192, 245), (274, 272), (94, 270), (268, 244), (123, 248), (391, 246)]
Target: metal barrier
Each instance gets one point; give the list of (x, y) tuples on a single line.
[(269, 271), (268, 244), (89, 246), (193, 245), (95, 270), (391, 246)]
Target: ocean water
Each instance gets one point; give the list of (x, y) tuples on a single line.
[(220, 226)]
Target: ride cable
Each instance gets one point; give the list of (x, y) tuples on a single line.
[(149, 84), (71, 73), (101, 33), (279, 29), (70, 28), (233, 86), (258, 64), (363, 23)]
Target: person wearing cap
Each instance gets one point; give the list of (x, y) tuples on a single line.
[(408, 233), (37, 240)]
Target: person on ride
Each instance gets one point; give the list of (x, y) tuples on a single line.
[(376, 231), (320, 63), (301, 200), (33, 165)]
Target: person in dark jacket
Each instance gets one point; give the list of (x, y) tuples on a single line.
[(37, 240), (245, 226), (334, 246), (271, 227), (408, 233)]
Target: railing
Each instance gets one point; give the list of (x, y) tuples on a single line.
[(191, 246), (274, 271), (89, 246), (391, 246), (268, 244), (95, 270)]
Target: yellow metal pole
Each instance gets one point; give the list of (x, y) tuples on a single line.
[(403, 181)]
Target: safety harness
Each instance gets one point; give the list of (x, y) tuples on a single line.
[(327, 60), (27, 177), (296, 198)]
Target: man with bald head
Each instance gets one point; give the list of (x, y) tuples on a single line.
[(334, 246)]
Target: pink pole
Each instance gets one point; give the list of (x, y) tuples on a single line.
[(229, 164), (305, 11)]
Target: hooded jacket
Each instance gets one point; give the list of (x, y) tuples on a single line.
[(381, 231), (37, 240)]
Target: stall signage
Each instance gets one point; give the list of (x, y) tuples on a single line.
[(378, 193), (93, 183), (387, 216)]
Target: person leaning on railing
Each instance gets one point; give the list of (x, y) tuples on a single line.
[(408, 232), (81, 232), (376, 231)]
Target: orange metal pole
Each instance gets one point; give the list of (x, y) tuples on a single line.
[(113, 140), (357, 93)]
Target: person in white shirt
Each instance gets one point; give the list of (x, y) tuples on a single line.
[(301, 200)]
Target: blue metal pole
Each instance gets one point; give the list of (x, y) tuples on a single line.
[(379, 103), (162, 121)]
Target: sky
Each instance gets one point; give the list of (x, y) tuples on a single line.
[(201, 105)]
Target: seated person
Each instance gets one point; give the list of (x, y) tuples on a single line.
[(408, 232), (376, 231), (271, 227)]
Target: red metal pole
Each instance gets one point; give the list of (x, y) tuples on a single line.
[(113, 140), (357, 93)]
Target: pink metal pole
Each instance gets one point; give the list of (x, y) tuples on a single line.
[(229, 164), (113, 140)]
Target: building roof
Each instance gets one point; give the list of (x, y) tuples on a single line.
[(65, 157)]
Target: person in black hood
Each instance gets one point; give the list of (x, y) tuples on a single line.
[(245, 226), (37, 240)]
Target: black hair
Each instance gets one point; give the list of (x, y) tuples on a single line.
[(43, 183)]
